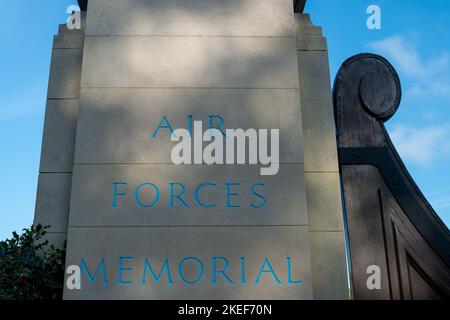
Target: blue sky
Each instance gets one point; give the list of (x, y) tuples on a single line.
[(414, 37)]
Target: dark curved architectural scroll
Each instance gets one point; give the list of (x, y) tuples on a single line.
[(390, 224)]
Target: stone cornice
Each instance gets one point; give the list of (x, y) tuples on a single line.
[(299, 5)]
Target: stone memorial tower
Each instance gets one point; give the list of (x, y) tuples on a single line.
[(141, 227)]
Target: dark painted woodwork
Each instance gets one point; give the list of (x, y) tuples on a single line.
[(389, 222), (299, 6), (83, 4)]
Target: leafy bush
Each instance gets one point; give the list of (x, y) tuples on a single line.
[(30, 268)]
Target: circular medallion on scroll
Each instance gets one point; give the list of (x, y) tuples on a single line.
[(380, 90)]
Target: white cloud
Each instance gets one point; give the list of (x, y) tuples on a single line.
[(427, 77), (421, 145), (436, 87)]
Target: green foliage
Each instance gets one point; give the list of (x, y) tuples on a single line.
[(30, 268)]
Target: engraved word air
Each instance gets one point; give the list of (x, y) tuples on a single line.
[(227, 147)]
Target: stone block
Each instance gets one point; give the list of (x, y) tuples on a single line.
[(117, 125), (186, 62), (93, 202), (318, 111), (191, 17), (65, 74), (314, 72), (312, 44), (68, 41), (305, 27), (320, 147), (52, 201), (59, 136), (329, 266), (323, 194), (176, 243)]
